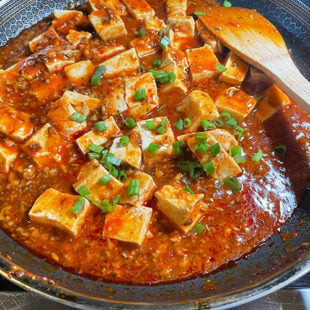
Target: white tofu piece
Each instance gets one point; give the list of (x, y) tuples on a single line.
[(102, 52), (15, 124), (108, 26), (47, 38), (176, 203), (114, 5), (224, 164), (80, 72), (274, 98), (78, 37), (164, 141), (8, 154), (98, 138), (56, 60), (146, 189), (202, 61), (53, 209), (236, 102), (128, 224), (176, 7), (198, 106), (138, 109), (89, 176), (224, 137), (130, 154), (236, 70), (114, 102), (45, 147), (125, 63), (173, 55), (154, 23), (139, 9), (60, 113), (146, 45), (65, 20), (183, 26)]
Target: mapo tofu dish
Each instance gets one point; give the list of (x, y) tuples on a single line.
[(136, 148)]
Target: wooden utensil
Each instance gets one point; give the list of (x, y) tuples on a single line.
[(258, 42)]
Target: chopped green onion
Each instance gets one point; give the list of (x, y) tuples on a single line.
[(235, 150), (113, 160), (280, 148), (113, 171), (133, 188), (218, 122), (157, 63), (187, 122), (141, 33), (106, 206), (105, 179), (95, 148), (227, 4), (185, 180), (95, 80), (116, 199), (141, 69), (83, 191), (164, 42), (94, 155), (130, 123), (78, 117), (162, 32), (163, 122), (220, 67), (177, 147), (201, 147), (215, 149), (188, 189), (162, 76), (171, 77), (226, 115), (150, 125), (201, 137), (78, 206), (153, 148), (199, 228), (100, 126), (193, 168), (231, 123), (161, 130), (179, 124), (208, 167), (257, 156), (140, 94), (199, 13), (124, 141), (122, 176), (239, 159), (233, 183), (206, 124)]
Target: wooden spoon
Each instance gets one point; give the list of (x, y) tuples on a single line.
[(258, 42)]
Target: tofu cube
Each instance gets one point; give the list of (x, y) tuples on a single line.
[(131, 153), (155, 24), (89, 176), (53, 209), (224, 137), (176, 203), (128, 224), (60, 115), (15, 124), (80, 72), (78, 37), (125, 63), (139, 9), (198, 106), (236, 70), (81, 103), (8, 154), (146, 45), (56, 60), (174, 56), (183, 26), (164, 140), (138, 109), (114, 102), (96, 137), (102, 52), (202, 62), (47, 38), (65, 20), (274, 98), (224, 164), (116, 6), (176, 7), (146, 189), (46, 147), (108, 26), (236, 102)]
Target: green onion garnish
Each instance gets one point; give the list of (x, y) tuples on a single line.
[(163, 122), (179, 124), (94, 155), (280, 148), (105, 179), (193, 168), (122, 176), (113, 160), (95, 80), (106, 206), (187, 122), (235, 151), (153, 148), (199, 13), (208, 167), (133, 188), (78, 117), (116, 199), (95, 148), (140, 94), (141, 33), (218, 122), (141, 69), (206, 125), (233, 183), (201, 137), (164, 42), (163, 77), (201, 147), (239, 159), (83, 191), (161, 130), (150, 125), (257, 156), (188, 189), (100, 126), (157, 63), (231, 123), (220, 67), (130, 123), (226, 115), (177, 147), (199, 228), (112, 170), (215, 149), (124, 141), (78, 206), (227, 4), (162, 32)]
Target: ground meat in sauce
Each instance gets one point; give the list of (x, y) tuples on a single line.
[(235, 222)]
